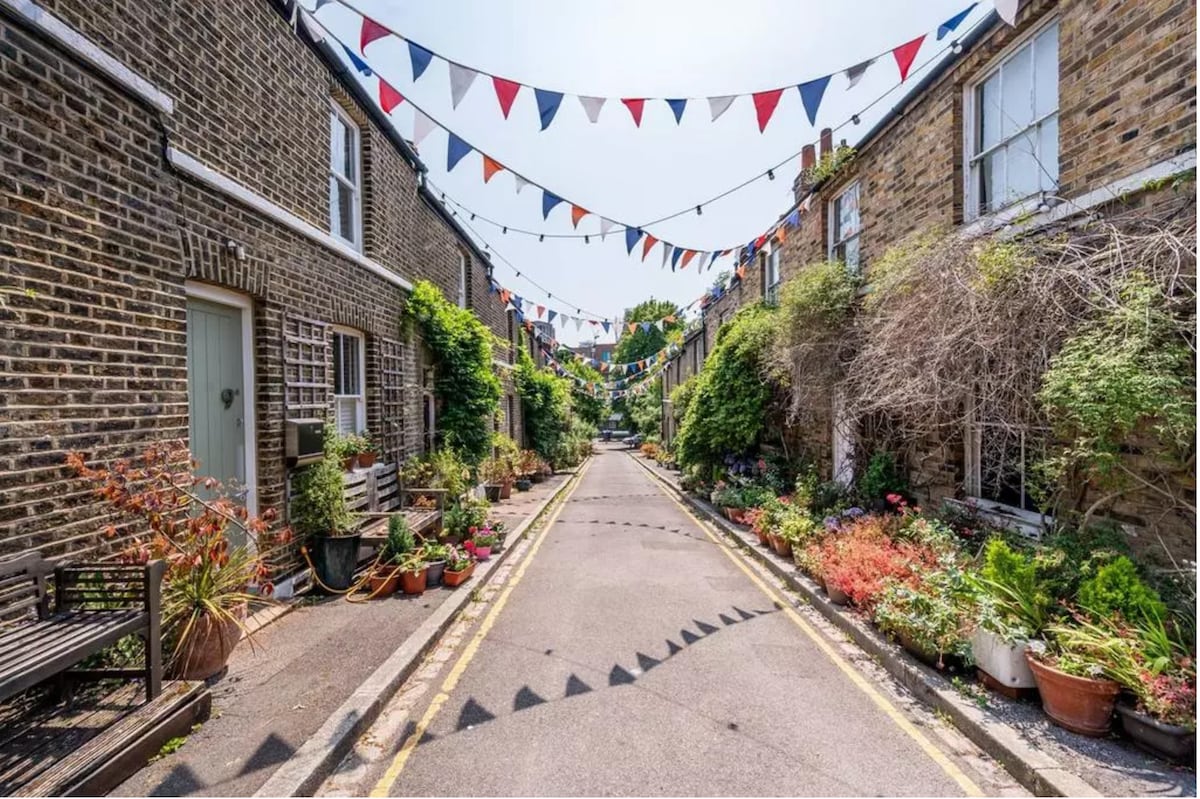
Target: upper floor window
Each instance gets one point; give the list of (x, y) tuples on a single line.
[(463, 280), (771, 276), (845, 227), (1013, 152), (345, 178), (349, 393)]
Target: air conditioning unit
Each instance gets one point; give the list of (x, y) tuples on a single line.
[(304, 441)]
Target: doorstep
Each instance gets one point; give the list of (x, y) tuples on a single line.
[(1046, 759), (298, 693)]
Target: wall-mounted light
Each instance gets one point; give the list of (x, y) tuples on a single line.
[(235, 249)]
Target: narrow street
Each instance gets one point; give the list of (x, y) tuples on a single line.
[(636, 656)]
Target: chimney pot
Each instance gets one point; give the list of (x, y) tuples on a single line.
[(826, 142)]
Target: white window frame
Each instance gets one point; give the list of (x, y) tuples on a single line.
[(771, 275), (336, 113), (463, 276), (971, 120), (359, 399), (843, 441), (837, 241), (1026, 521)]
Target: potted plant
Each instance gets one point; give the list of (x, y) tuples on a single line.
[(527, 464), (1013, 608), (385, 577), (459, 566), (413, 573), (500, 531), (928, 615), (209, 580), (435, 562), (319, 514), (508, 455), (482, 541), (366, 449), (523, 484), (495, 474), (1070, 672), (341, 449)]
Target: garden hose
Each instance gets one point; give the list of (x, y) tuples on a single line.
[(349, 592)]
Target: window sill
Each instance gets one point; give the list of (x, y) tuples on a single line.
[(986, 223), (1025, 522)]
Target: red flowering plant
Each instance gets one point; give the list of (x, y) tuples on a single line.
[(194, 527), (861, 561)]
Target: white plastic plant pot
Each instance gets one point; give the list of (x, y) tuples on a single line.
[(1005, 662)]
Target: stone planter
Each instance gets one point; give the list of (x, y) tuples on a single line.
[(1176, 744), (836, 595), (1002, 662), (434, 572), (492, 492), (1078, 704), (523, 484)]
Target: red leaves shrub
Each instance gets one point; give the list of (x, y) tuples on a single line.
[(862, 560)]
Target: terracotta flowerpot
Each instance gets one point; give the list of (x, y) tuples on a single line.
[(1168, 741), (384, 581), (506, 489), (836, 595), (454, 579), (414, 582), (483, 553), (1079, 704), (206, 649), (348, 463), (782, 547), (366, 459)]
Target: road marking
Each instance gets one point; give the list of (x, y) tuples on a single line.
[(935, 754), (388, 780)]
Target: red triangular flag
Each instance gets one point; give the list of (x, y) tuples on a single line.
[(371, 30), (650, 242), (506, 92), (687, 256), (635, 108), (490, 167), (905, 55), (389, 98), (764, 104), (505, 296), (760, 241), (577, 213), (541, 309)]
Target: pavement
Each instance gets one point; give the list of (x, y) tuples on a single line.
[(630, 652), (286, 682)]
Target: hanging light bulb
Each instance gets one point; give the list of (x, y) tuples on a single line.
[(542, 237), (505, 229), (956, 47), (770, 174), (586, 240), (472, 217), (699, 211), (855, 119)]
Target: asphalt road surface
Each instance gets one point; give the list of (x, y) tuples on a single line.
[(634, 655)]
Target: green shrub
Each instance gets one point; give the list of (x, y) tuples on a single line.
[(318, 504), (1014, 603), (400, 539), (1117, 588), (880, 478)]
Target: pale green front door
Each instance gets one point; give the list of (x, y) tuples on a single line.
[(216, 395)]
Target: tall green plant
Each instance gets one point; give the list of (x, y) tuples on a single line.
[(545, 406), (464, 380), (319, 500)]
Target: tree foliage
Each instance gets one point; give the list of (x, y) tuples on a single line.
[(545, 405), (639, 343), (591, 408), (464, 381)]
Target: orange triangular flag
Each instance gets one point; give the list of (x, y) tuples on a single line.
[(632, 326), (687, 256), (669, 319), (490, 167), (779, 237), (741, 272), (650, 242), (505, 296), (577, 213), (541, 309)]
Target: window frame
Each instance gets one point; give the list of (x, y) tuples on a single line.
[(833, 221), (972, 129), (360, 399), (771, 265), (336, 112), (464, 275), (1026, 521)]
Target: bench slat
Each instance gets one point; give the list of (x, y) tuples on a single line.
[(42, 665)]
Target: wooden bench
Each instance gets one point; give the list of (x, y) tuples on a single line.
[(95, 605), (376, 494)]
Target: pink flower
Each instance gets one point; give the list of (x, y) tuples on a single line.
[(894, 499)]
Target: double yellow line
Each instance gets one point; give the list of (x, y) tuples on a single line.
[(388, 780)]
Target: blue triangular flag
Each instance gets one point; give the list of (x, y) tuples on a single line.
[(675, 257), (551, 315), (949, 25), (455, 151), (750, 252), (811, 94), (547, 103), (646, 327), (549, 200), (520, 317), (793, 218), (677, 106), (632, 235), (420, 59), (358, 63), (606, 325)]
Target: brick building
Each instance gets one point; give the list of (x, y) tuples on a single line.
[(1109, 115), (206, 228)]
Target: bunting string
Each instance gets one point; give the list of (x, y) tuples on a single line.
[(457, 149), (811, 91)]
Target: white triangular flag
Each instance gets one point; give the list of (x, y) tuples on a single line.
[(591, 107), (605, 226), (461, 79), (1007, 9), (578, 323), (311, 26), (521, 182), (666, 253), (659, 325), (719, 105), (422, 127)]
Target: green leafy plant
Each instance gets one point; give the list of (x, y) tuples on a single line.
[(1013, 602), (545, 406), (436, 553), (318, 500), (880, 478), (441, 469), (931, 613), (400, 539), (464, 380), (1118, 589), (828, 165)]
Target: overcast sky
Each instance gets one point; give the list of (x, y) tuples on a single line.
[(635, 48)]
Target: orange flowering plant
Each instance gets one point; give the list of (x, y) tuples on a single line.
[(190, 521)]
